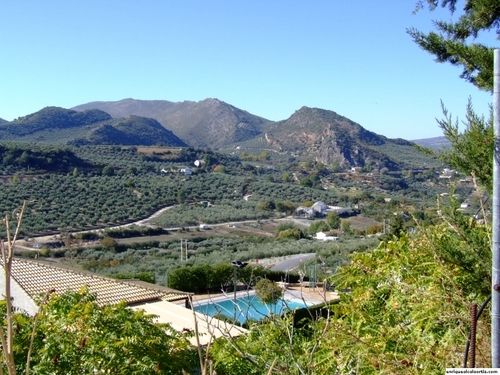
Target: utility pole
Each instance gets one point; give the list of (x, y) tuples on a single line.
[(495, 274)]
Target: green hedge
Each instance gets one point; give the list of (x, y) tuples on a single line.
[(206, 278)]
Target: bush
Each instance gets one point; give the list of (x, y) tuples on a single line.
[(284, 226), (291, 234), (108, 242), (268, 291), (318, 226), (206, 278)]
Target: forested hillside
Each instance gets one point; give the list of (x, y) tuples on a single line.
[(207, 123), (131, 130), (53, 125), (39, 159)]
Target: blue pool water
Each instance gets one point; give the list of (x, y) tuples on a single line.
[(247, 308)]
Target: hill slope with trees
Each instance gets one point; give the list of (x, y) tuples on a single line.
[(63, 126), (207, 123)]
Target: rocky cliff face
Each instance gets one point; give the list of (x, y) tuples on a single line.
[(329, 138)]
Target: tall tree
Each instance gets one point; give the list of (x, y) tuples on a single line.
[(455, 41), (471, 151), (333, 220)]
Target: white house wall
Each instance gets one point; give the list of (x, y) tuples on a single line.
[(21, 300)]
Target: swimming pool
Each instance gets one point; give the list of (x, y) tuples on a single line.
[(247, 308)]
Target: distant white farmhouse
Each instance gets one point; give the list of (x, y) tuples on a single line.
[(323, 237), (320, 207), (447, 173), (185, 170)]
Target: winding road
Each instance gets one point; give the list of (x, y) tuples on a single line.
[(285, 263)]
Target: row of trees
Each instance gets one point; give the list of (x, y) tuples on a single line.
[(121, 192), (215, 278), (161, 258)]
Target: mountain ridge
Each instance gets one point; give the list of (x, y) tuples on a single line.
[(309, 133), (331, 138), (434, 143), (206, 123), (66, 126)]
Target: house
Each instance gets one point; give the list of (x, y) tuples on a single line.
[(447, 173), (320, 208), (32, 279), (186, 170), (323, 237), (306, 212)]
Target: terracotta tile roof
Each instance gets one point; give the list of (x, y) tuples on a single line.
[(36, 278)]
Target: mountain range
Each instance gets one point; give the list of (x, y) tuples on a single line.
[(436, 143), (309, 133), (207, 123), (65, 126)]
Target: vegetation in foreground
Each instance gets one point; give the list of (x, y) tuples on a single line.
[(76, 336)]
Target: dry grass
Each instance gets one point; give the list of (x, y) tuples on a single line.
[(361, 222), (162, 152)]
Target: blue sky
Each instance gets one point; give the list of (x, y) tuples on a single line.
[(269, 58)]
